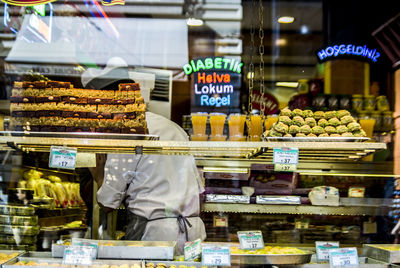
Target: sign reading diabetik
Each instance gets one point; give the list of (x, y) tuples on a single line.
[(216, 82), (348, 50), (27, 2)]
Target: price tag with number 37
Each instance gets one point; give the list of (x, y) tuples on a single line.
[(251, 239), (286, 159)]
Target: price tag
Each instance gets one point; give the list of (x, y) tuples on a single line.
[(216, 256), (251, 239), (78, 255), (322, 248), (192, 250), (83, 243), (286, 159), (62, 157), (343, 257), (220, 221)]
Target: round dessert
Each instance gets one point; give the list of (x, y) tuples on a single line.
[(301, 135), (286, 112), (311, 135), (306, 129), (317, 130), (342, 113), (307, 113), (288, 135), (359, 133), (330, 130), (285, 120), (346, 119), (333, 122), (274, 133), (322, 122), (319, 115), (281, 127), (298, 120), (293, 129), (354, 126), (335, 135), (330, 114), (341, 129), (347, 134), (310, 121), (323, 135), (297, 112)]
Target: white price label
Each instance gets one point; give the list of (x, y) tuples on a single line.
[(62, 157), (83, 243), (251, 239), (322, 249), (78, 255), (286, 159), (192, 250), (343, 257), (216, 256)]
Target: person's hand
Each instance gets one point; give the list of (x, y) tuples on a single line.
[(98, 171)]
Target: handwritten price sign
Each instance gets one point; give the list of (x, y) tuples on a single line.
[(343, 257), (286, 159), (251, 240), (62, 157), (216, 256)]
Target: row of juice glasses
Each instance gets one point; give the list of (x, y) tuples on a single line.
[(236, 124)]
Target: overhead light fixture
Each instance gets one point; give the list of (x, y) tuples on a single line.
[(194, 22), (287, 84), (281, 42), (304, 29), (286, 19)]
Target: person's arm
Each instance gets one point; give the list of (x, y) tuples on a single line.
[(114, 184), (98, 171)]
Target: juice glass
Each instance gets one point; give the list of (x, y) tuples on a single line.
[(236, 126), (217, 123), (199, 137), (271, 119), (254, 126), (367, 124), (218, 138), (199, 122)]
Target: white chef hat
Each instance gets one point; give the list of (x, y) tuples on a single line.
[(115, 72)]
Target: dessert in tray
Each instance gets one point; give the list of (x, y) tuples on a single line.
[(306, 123), (51, 106)]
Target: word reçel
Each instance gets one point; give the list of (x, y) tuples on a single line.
[(362, 51)]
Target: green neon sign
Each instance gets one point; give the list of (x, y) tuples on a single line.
[(214, 63)]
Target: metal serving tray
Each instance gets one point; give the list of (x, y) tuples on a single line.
[(271, 258), (11, 263), (317, 139), (176, 263), (37, 254), (83, 135), (388, 256), (131, 250), (19, 252)]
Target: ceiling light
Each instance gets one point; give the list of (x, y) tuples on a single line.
[(281, 42), (194, 22), (286, 19), (304, 29), (286, 84)]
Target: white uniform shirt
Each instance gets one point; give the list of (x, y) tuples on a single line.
[(156, 186)]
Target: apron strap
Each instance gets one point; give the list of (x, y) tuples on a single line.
[(183, 223)]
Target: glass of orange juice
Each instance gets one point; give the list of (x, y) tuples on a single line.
[(217, 123), (271, 119), (199, 122), (254, 126), (367, 124), (236, 127)]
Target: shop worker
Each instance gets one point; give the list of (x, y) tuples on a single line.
[(160, 192)]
